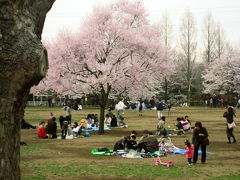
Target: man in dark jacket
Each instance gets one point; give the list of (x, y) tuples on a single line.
[(160, 107), (148, 142), (122, 144), (51, 128)]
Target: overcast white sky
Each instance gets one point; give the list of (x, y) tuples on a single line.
[(69, 13)]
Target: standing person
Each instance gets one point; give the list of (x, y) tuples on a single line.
[(200, 138), (49, 102), (211, 102), (64, 129), (120, 108), (53, 101), (228, 114), (140, 108), (61, 119), (169, 108), (68, 113), (160, 107), (189, 152)]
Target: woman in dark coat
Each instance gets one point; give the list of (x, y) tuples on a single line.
[(199, 138), (228, 114)]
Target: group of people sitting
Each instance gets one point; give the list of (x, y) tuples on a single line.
[(49, 129), (148, 142), (92, 120), (111, 121), (183, 125)]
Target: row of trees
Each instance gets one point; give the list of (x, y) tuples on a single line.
[(187, 78)]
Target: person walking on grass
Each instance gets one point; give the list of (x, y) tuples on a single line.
[(160, 107), (140, 108), (68, 113), (200, 138), (120, 107), (228, 114)]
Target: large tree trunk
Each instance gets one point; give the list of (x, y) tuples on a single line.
[(23, 63), (102, 118), (166, 90), (103, 100)]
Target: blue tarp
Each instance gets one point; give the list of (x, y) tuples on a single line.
[(96, 129), (182, 151)]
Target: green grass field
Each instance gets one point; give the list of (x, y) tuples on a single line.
[(56, 159)]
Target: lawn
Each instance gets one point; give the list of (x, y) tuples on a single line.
[(56, 159)]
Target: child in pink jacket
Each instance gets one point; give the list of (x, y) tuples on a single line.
[(189, 152)]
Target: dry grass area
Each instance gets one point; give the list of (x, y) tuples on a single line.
[(50, 159)]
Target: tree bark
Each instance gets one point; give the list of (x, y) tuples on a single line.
[(103, 97), (166, 90), (23, 63), (102, 118)]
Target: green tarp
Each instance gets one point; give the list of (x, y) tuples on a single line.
[(110, 151), (103, 153)]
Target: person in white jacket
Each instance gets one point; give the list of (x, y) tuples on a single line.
[(120, 108)]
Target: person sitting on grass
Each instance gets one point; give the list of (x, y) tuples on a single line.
[(51, 128), (133, 133), (122, 144), (113, 121), (182, 125), (161, 125), (76, 129), (26, 125), (187, 118), (83, 123), (107, 120), (133, 143), (122, 124), (41, 130), (148, 142)]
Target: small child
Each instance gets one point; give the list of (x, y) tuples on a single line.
[(189, 152)]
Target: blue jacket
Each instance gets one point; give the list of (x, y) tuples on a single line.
[(160, 106)]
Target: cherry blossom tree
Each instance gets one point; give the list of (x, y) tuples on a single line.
[(223, 76), (116, 51)]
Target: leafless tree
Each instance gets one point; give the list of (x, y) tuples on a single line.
[(188, 45)]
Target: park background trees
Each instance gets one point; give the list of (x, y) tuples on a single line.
[(190, 50)]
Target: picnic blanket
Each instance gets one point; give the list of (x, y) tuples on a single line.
[(126, 154), (134, 154), (96, 129)]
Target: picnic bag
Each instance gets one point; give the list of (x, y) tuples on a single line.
[(206, 141), (231, 125)]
